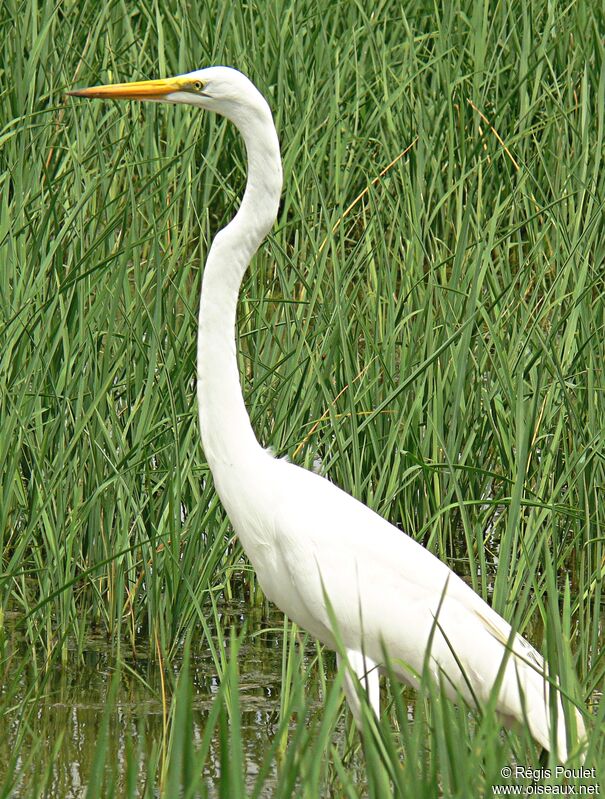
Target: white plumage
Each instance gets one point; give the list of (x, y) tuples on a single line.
[(320, 555)]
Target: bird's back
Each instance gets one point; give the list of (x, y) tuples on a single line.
[(328, 561)]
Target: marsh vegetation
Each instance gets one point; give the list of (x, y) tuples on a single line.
[(429, 328)]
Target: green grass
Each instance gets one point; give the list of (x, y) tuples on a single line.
[(439, 346)]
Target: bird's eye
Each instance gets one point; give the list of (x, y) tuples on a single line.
[(198, 86)]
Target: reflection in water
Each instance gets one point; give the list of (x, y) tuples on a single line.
[(60, 735), (63, 731)]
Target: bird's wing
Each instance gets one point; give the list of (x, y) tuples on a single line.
[(501, 631), (335, 547), (342, 566)]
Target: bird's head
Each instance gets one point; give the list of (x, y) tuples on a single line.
[(220, 89)]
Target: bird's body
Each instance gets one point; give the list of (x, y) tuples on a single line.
[(335, 560), (339, 570)]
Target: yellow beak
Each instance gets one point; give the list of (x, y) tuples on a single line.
[(137, 90)]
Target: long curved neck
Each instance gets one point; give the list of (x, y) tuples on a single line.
[(227, 434)]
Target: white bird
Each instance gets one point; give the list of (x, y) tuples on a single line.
[(324, 558)]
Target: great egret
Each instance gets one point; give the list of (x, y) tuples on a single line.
[(331, 564)]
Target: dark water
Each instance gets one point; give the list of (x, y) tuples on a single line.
[(62, 731), (57, 735)]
